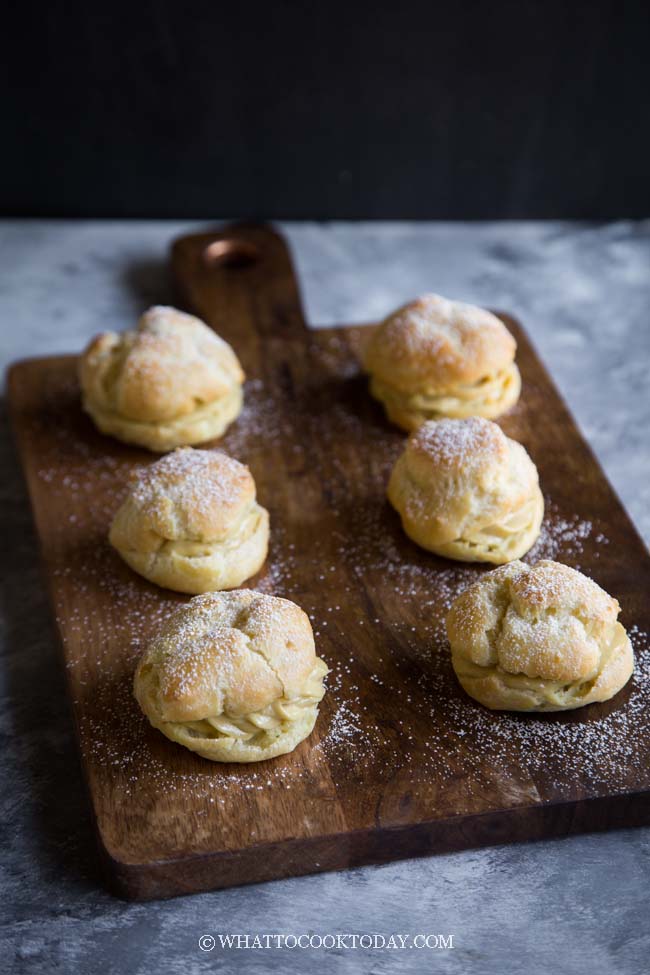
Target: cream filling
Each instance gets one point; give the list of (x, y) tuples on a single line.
[(274, 718), (203, 413), (502, 535), (552, 692), (186, 548), (487, 392)]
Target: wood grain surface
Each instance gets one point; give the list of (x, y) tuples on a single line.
[(401, 762)]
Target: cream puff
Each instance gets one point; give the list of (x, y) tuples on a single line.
[(538, 638), (436, 358), (466, 491), (233, 676), (170, 382), (191, 522)]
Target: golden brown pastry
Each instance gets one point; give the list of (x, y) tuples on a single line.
[(466, 491), (169, 383), (233, 676), (190, 522), (437, 358), (538, 638)]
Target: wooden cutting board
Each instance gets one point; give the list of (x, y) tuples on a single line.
[(401, 763)]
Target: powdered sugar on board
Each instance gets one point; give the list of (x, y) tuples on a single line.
[(358, 558)]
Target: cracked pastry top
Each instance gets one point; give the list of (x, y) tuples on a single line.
[(233, 676), (191, 522), (466, 491), (538, 638), (437, 358), (170, 382)]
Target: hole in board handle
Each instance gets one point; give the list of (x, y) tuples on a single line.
[(231, 252)]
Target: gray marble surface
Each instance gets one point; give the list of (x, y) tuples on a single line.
[(578, 905)]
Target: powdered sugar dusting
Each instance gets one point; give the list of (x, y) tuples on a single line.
[(195, 481), (458, 443), (563, 536), (598, 746), (394, 721)]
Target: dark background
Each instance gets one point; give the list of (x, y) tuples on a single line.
[(325, 110)]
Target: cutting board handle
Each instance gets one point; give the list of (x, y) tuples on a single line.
[(243, 266)]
